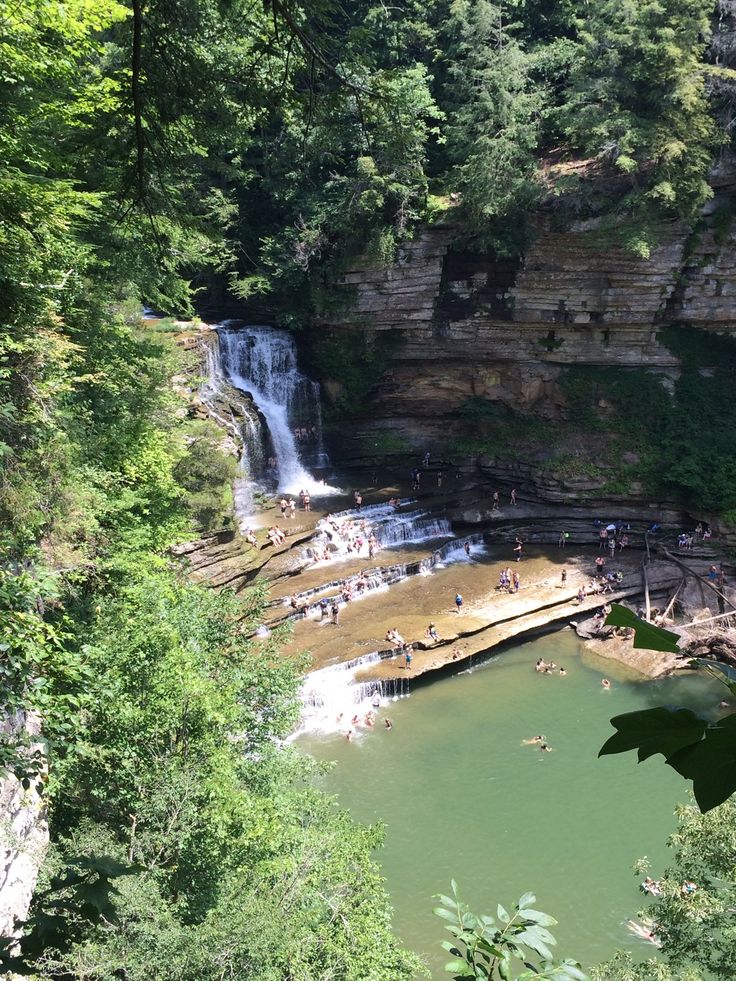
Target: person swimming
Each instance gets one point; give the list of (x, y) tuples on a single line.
[(606, 684), (388, 723), (534, 741), (644, 930), (545, 748)]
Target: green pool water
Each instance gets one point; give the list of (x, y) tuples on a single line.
[(461, 797)]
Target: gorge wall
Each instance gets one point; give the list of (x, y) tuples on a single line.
[(449, 333)]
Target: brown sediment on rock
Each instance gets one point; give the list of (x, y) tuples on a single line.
[(650, 664), (547, 610)]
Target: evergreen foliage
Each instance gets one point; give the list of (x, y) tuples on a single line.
[(146, 151), (637, 101)]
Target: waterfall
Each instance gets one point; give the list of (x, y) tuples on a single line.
[(262, 362), (346, 533), (330, 697), (412, 528), (243, 424)]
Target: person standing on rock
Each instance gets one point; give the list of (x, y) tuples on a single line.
[(283, 505), (496, 499), (292, 507), (335, 612), (425, 461), (458, 602), (358, 500), (518, 548), (408, 654), (602, 538), (440, 476), (517, 582), (563, 577), (307, 501), (562, 540), (513, 496)]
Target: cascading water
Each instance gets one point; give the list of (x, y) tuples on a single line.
[(330, 698), (412, 528), (262, 362), (346, 533), (245, 429)]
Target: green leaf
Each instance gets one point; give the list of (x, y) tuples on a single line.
[(715, 666), (710, 764), (646, 635), (460, 969), (573, 970), (446, 914), (446, 901), (656, 730), (531, 939), (543, 919), (526, 900), (502, 915)]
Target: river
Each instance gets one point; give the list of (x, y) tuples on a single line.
[(462, 797)]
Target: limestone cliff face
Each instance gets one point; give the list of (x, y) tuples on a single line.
[(24, 835), (476, 326)]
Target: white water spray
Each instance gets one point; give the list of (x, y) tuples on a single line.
[(331, 698), (262, 362)]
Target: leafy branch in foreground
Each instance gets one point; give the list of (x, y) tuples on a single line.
[(483, 948), (698, 748)]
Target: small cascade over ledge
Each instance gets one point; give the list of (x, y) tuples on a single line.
[(331, 697)]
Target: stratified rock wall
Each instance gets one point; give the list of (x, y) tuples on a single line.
[(479, 326)]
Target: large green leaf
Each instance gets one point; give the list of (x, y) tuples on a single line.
[(715, 668), (656, 730), (646, 635), (710, 764)]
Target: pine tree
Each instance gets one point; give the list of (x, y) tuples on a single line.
[(493, 114)]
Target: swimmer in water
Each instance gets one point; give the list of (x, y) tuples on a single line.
[(545, 748), (534, 741), (388, 723), (645, 931), (355, 720), (562, 672), (349, 735), (606, 684)]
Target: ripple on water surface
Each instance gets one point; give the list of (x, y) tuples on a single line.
[(461, 797)]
